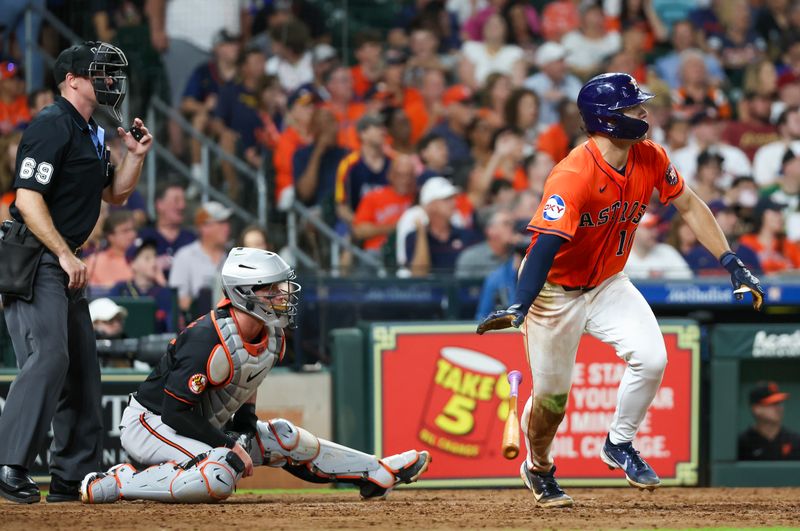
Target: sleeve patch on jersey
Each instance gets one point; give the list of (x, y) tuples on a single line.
[(197, 383), (554, 208), (671, 175)]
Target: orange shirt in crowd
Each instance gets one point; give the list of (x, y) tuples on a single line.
[(7, 198), (519, 180), (555, 142), (106, 268), (347, 118), (15, 112), (361, 85), (784, 255), (558, 19), (714, 99), (382, 206), (269, 134), (5, 203), (419, 117), (465, 211), (289, 142), (414, 107)]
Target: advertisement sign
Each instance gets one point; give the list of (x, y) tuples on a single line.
[(116, 388), (442, 388), (760, 341)]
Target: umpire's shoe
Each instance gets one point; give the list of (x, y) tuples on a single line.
[(544, 487), (625, 457), (16, 485), (62, 490)]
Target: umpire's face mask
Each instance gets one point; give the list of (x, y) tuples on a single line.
[(109, 79)]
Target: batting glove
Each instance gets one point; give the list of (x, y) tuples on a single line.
[(742, 279), (512, 316)]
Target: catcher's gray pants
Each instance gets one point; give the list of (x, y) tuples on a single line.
[(59, 378)]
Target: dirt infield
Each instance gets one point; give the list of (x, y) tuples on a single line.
[(430, 509)]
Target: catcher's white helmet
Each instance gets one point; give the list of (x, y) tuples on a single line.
[(261, 284)]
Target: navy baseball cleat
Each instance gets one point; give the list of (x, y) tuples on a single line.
[(625, 457), (544, 487)]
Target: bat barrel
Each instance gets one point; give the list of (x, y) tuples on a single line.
[(511, 429), (510, 452)]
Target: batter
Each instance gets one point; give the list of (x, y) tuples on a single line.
[(572, 282)]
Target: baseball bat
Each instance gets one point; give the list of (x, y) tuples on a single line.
[(511, 429)]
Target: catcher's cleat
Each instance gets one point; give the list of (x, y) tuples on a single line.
[(406, 467), (545, 488), (625, 457)]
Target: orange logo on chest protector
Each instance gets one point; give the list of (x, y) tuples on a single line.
[(197, 383)]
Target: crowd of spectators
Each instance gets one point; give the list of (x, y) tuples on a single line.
[(429, 146)]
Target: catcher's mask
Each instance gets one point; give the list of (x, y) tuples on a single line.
[(261, 284), (104, 64)]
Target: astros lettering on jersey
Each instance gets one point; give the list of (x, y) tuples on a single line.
[(597, 210)]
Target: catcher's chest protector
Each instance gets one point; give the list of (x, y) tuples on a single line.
[(235, 370)]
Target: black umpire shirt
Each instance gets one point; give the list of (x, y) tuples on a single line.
[(58, 158), (753, 446)]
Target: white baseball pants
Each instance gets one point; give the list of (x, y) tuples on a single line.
[(616, 313), (148, 441)]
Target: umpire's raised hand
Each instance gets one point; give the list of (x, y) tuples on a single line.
[(136, 147)]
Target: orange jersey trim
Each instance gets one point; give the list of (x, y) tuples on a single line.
[(176, 397), (164, 439)]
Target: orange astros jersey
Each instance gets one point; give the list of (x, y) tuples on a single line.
[(597, 210)]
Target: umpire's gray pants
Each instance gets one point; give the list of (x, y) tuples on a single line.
[(59, 378)]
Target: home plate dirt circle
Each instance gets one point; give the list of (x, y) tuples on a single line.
[(612, 508)]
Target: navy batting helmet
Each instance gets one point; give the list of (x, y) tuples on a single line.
[(601, 101)]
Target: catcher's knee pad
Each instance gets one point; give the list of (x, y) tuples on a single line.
[(278, 441), (211, 478)]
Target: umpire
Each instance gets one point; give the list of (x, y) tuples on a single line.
[(63, 171)]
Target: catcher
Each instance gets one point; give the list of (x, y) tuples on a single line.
[(193, 421)]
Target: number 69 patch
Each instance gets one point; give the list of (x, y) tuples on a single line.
[(42, 172)]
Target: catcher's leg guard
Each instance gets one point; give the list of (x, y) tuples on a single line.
[(208, 477), (103, 487), (281, 444)]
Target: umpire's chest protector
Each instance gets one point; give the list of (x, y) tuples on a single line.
[(235, 369)]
